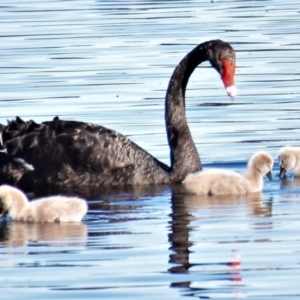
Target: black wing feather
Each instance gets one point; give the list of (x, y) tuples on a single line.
[(70, 151)]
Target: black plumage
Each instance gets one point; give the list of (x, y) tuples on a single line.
[(69, 153)]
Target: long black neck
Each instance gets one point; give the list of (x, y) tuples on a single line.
[(184, 155)]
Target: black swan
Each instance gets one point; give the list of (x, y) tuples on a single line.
[(63, 154)]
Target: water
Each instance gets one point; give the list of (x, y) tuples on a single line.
[(109, 63)]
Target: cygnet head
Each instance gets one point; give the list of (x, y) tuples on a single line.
[(263, 163), (5, 200), (287, 160)]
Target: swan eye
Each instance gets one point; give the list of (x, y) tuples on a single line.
[(230, 60)]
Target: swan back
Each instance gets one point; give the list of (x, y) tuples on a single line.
[(55, 209), (48, 209), (215, 182), (289, 159)]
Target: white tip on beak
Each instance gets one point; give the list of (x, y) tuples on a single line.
[(231, 91)]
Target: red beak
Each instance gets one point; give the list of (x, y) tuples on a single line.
[(227, 77)]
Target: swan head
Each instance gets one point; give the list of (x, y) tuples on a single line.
[(287, 160), (222, 59), (263, 163)]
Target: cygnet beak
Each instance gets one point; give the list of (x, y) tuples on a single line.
[(269, 175), (3, 212), (282, 172)]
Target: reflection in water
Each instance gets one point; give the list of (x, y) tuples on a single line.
[(184, 212), (287, 182), (254, 202), (292, 183), (17, 234), (180, 229)]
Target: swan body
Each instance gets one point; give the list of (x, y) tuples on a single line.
[(49, 209), (226, 182), (289, 159), (62, 153)]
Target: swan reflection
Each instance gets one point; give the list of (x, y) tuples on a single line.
[(254, 202), (189, 217), (290, 182), (17, 234)]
